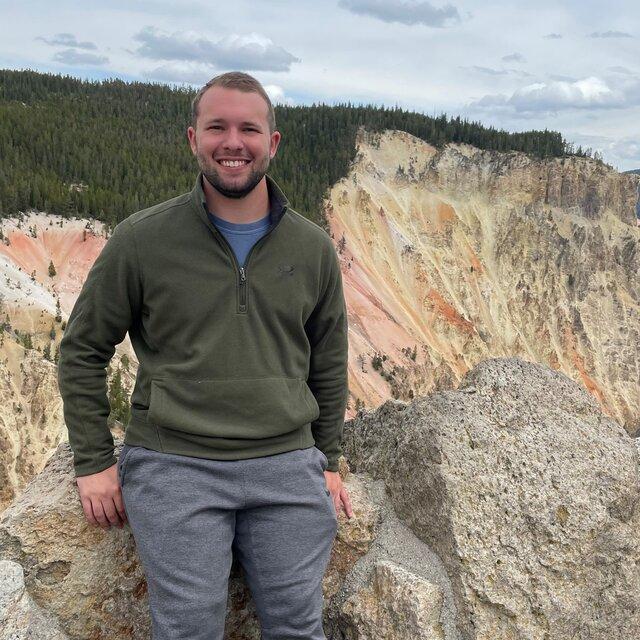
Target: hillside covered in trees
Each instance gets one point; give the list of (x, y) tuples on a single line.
[(107, 149)]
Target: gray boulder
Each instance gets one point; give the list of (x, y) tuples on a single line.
[(527, 493)]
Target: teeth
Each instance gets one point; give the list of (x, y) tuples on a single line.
[(233, 163)]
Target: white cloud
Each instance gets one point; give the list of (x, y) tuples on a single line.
[(67, 40), (497, 72), (277, 95), (182, 73), (623, 152), (626, 149), (559, 95), (488, 70), (514, 57), (610, 34), (252, 52), (73, 57), (409, 12)]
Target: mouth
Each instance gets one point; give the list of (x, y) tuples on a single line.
[(233, 165)]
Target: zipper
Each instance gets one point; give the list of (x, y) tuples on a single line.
[(241, 286), (243, 290)]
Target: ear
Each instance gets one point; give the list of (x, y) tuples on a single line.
[(191, 136), (275, 141)]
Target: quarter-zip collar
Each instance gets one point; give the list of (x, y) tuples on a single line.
[(278, 202)]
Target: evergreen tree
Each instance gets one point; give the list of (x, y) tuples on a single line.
[(107, 149), (119, 399)]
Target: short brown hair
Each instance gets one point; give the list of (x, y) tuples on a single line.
[(235, 80)]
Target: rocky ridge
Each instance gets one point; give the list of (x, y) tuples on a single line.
[(453, 255)]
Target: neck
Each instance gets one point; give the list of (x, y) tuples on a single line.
[(254, 206)]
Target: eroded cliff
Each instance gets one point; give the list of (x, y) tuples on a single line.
[(455, 255)]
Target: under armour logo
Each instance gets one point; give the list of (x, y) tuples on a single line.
[(286, 269)]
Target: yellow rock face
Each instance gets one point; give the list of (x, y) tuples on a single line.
[(455, 255)]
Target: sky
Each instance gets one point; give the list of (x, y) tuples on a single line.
[(571, 66)]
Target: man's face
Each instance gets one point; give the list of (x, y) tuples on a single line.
[(232, 126)]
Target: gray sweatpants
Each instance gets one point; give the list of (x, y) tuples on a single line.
[(186, 514)]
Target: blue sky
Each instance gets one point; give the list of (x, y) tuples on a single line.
[(569, 66)]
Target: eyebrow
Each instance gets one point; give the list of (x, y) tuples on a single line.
[(246, 122)]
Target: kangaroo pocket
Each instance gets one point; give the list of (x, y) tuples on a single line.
[(233, 408)]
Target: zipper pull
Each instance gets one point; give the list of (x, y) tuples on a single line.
[(242, 276)]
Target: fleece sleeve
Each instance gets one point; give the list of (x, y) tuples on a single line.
[(326, 329), (108, 303)]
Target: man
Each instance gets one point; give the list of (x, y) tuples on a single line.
[(235, 309)]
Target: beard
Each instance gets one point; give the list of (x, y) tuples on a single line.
[(229, 189)]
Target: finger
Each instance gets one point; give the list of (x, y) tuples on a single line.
[(346, 501), (111, 512), (88, 511), (98, 513), (119, 502)]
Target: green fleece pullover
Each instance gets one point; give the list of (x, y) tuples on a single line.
[(234, 362)]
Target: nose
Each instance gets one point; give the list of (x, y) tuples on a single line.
[(233, 139)]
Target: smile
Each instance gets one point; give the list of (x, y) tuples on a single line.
[(233, 163)]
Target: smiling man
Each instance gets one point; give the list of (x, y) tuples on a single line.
[(234, 168), (235, 309)]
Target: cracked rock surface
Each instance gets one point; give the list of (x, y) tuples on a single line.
[(527, 493)]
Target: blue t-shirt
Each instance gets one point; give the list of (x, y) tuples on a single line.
[(241, 236)]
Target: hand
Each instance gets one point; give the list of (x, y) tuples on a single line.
[(338, 493), (102, 499)]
